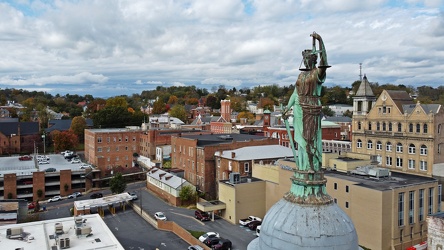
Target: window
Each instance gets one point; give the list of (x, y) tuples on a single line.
[(108, 149), (412, 149), (411, 164), (359, 143), (430, 201), (384, 109), (421, 205), (439, 197), (378, 145), (423, 150), (120, 139), (126, 138), (401, 209), (369, 125), (99, 139), (108, 139), (423, 165), (346, 189), (117, 148), (384, 127), (399, 147), (399, 162), (335, 200), (359, 125), (411, 128), (425, 129), (335, 186), (388, 160), (126, 148), (390, 126), (369, 144), (134, 138), (114, 139), (378, 126), (117, 158), (411, 206), (388, 146), (346, 204), (399, 127), (246, 167), (99, 150), (439, 129), (418, 128)]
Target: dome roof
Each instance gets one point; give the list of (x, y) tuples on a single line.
[(290, 225)]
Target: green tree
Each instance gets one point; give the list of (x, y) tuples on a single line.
[(327, 111), (117, 184), (187, 193), (179, 112), (118, 101), (159, 106), (78, 126), (112, 117)]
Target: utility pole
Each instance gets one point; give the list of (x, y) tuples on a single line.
[(44, 144)]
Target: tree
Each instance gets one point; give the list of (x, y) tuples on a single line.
[(117, 184), (179, 112), (118, 101), (173, 99), (65, 140), (186, 193), (159, 106), (327, 111), (112, 117), (78, 126)]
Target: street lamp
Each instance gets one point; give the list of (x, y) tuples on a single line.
[(44, 144)]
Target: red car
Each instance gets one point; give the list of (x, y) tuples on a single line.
[(25, 158), (31, 205)]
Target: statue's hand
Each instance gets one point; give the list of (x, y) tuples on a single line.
[(316, 36), (285, 114)]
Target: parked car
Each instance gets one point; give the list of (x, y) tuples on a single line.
[(41, 162), (74, 161), (133, 196), (69, 157), (85, 166), (42, 157), (244, 222), (258, 231), (55, 198), (202, 216), (205, 236), (211, 241), (25, 158), (27, 182), (160, 216), (96, 195), (252, 225), (74, 195), (195, 247), (50, 170), (223, 244), (31, 205), (66, 152)]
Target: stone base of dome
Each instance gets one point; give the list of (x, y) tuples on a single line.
[(289, 225)]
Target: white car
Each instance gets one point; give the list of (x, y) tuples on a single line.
[(203, 237), (85, 166), (43, 162), (55, 198), (160, 216), (73, 161)]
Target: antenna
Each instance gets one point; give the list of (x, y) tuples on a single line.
[(360, 72)]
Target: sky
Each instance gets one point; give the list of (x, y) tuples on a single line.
[(109, 48)]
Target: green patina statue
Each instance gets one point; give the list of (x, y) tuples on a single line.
[(308, 182)]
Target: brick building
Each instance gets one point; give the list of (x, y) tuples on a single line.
[(19, 137), (195, 155)]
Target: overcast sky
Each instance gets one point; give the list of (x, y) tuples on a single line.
[(109, 47)]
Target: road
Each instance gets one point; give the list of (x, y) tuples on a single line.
[(239, 236)]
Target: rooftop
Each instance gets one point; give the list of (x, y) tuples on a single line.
[(212, 139), (257, 153), (101, 202), (42, 234)]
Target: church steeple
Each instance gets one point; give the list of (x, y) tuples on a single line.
[(364, 99)]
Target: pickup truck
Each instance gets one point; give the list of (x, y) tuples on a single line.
[(244, 222)]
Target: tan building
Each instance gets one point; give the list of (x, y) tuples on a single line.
[(388, 214), (404, 135), (110, 148)]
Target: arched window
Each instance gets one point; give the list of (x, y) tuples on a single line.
[(384, 128), (359, 143), (418, 128), (378, 126), (369, 144), (411, 128), (423, 150), (412, 149), (425, 129), (378, 145), (390, 126), (399, 127), (388, 146), (399, 147), (369, 125)]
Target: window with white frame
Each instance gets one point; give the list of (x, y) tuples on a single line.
[(388, 146), (378, 145), (99, 149), (246, 167), (388, 160), (399, 162), (108, 149), (425, 129), (126, 138), (401, 209), (399, 147), (359, 143), (423, 165), (411, 164), (418, 128), (369, 144), (120, 139), (412, 149), (423, 150)]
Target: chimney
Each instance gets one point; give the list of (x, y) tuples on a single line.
[(233, 155)]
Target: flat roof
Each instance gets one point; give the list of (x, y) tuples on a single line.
[(396, 180), (257, 153), (102, 202), (11, 165), (113, 130), (214, 139), (41, 234)]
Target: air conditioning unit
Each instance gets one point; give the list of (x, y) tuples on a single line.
[(64, 242), (234, 178)]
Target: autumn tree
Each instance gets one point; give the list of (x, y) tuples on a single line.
[(173, 99), (192, 101), (179, 112), (266, 103), (249, 116), (117, 101), (78, 126), (65, 140), (159, 106)]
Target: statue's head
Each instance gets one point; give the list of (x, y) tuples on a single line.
[(310, 59)]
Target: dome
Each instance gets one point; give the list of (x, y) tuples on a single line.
[(289, 225)]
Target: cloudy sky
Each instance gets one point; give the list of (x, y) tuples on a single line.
[(114, 47)]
